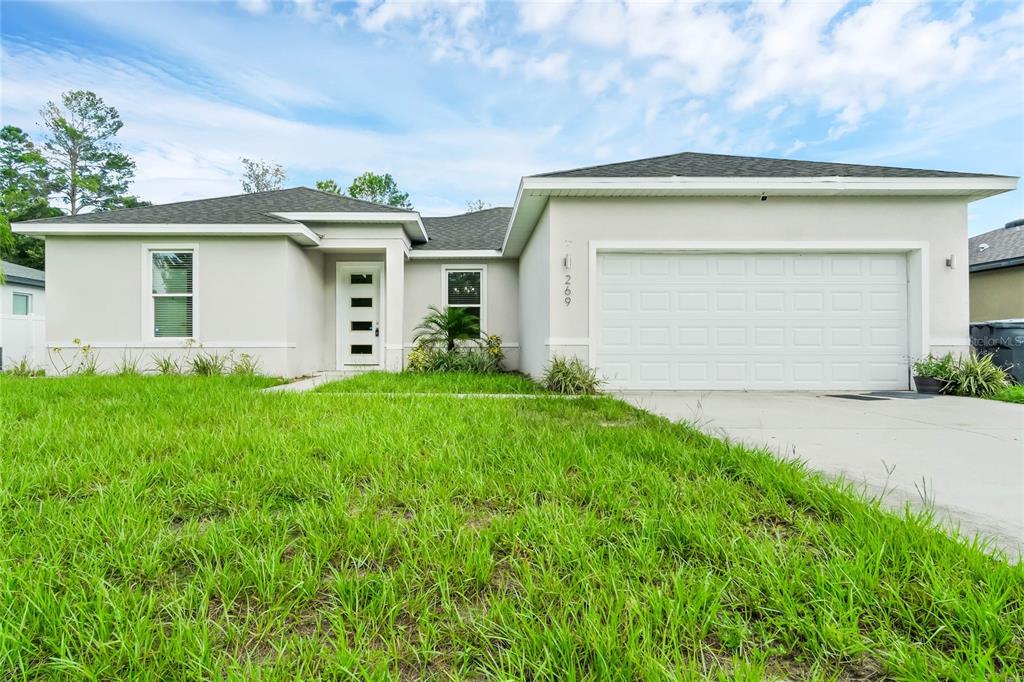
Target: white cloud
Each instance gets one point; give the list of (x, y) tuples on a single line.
[(542, 15), (853, 64), (597, 81), (255, 6), (187, 144), (554, 67)]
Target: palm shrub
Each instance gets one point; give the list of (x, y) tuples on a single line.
[(445, 328), (572, 377)]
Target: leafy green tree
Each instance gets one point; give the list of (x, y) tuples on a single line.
[(446, 327), (261, 176), (87, 166), (24, 183), (328, 186), (380, 189), (127, 201)]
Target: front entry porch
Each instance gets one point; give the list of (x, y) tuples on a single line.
[(365, 316)]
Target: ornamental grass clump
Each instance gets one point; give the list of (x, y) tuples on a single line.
[(572, 377)]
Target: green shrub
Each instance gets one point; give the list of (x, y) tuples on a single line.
[(23, 368), (977, 376), (128, 367), (447, 328), (166, 364), (423, 358), (209, 364), (492, 344), (572, 377), (246, 365), (934, 367)]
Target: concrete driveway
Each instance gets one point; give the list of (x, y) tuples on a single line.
[(964, 456)]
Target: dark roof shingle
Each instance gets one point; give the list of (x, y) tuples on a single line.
[(692, 164), (233, 210), (20, 274), (1004, 244), (479, 230)]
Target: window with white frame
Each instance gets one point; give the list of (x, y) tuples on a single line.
[(22, 304), (464, 288), (172, 293)]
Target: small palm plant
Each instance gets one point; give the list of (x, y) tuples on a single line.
[(447, 327)]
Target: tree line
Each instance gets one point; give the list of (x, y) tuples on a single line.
[(79, 166)]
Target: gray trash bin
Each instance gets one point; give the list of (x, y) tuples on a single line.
[(1004, 340)]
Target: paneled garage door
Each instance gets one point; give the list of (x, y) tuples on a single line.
[(752, 321)]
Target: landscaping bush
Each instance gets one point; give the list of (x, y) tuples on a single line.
[(423, 358), (23, 368), (246, 365), (209, 364), (572, 377), (971, 375), (447, 328), (166, 364), (934, 367), (976, 376)]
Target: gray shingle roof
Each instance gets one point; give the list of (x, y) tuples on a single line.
[(19, 274), (1004, 244), (720, 165), (483, 230), (233, 210)]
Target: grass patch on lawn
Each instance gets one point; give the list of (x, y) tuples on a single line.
[(187, 528), (1011, 394), (434, 382)]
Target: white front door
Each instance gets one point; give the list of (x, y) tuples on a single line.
[(775, 321), (359, 314)]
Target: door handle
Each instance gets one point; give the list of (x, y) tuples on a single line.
[(376, 331)]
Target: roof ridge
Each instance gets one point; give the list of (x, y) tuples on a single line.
[(459, 215), (776, 159), (356, 199)]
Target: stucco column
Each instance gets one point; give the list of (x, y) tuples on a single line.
[(394, 264)]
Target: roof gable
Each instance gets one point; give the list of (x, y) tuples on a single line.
[(693, 164)]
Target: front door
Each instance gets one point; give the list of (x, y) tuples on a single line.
[(359, 303)]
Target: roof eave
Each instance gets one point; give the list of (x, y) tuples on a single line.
[(534, 192), (410, 220), (997, 264), (296, 231), (26, 281)]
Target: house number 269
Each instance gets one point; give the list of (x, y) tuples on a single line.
[(568, 289)]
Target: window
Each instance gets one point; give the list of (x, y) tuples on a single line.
[(22, 304), (172, 294), (464, 288), (360, 279)]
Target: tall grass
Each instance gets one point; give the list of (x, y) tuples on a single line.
[(189, 528)]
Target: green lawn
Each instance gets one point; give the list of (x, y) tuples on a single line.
[(186, 528), (1013, 394), (448, 382)]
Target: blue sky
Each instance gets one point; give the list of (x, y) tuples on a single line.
[(458, 100)]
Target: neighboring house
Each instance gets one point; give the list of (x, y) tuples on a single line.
[(688, 271), (997, 273), (22, 316)]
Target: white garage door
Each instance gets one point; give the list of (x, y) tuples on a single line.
[(752, 321)]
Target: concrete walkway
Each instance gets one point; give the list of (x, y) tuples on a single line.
[(308, 383), (963, 456)]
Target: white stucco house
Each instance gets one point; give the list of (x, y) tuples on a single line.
[(687, 271), (22, 316)]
